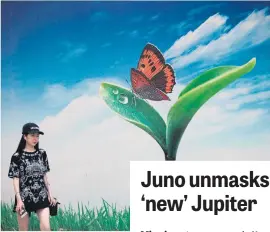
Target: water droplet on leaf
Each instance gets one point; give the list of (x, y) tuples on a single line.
[(115, 91), (123, 99)]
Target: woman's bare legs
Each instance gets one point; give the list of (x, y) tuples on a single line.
[(23, 222), (44, 219)]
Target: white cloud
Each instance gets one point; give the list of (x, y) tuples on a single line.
[(72, 51), (115, 63), (120, 33), (137, 19), (251, 98), (153, 31), (99, 16), (105, 45), (76, 107), (234, 98), (263, 83), (210, 26), (250, 32), (199, 10), (180, 27), (134, 33), (154, 17), (58, 95)]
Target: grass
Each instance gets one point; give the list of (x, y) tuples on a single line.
[(106, 218)]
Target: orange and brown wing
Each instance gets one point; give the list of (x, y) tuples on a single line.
[(138, 80), (151, 61), (144, 89), (165, 80)]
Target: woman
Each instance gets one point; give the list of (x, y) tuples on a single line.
[(28, 168)]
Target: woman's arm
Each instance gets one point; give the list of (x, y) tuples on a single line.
[(17, 188), (20, 204), (46, 181)]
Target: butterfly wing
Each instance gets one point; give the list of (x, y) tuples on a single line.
[(151, 61), (152, 65), (144, 88), (138, 80), (165, 79)]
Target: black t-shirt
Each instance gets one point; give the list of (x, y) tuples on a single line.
[(31, 167)]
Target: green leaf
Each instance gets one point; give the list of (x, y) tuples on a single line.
[(195, 95), (206, 76), (135, 110)]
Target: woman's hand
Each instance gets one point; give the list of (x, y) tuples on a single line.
[(19, 206), (52, 200)]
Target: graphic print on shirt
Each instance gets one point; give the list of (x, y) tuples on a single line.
[(30, 167)]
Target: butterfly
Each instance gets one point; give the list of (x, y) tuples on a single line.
[(153, 78)]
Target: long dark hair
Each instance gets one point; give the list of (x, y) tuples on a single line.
[(22, 144)]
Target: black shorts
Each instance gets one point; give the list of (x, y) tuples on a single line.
[(32, 207)]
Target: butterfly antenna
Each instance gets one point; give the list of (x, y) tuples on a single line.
[(133, 98), (128, 82)]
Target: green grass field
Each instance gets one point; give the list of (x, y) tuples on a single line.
[(106, 218)]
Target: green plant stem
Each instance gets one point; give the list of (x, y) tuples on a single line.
[(168, 158)]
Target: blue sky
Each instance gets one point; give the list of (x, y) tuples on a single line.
[(55, 54), (44, 46)]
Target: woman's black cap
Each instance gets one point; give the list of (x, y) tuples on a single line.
[(30, 128)]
